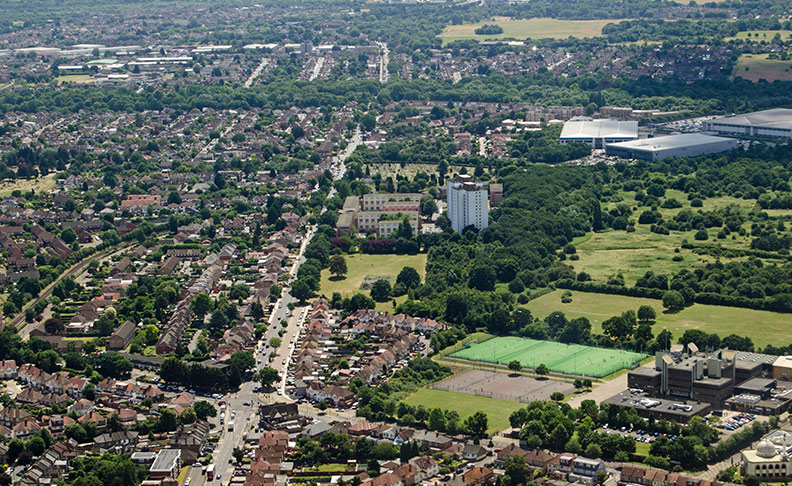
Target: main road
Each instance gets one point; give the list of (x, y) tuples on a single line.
[(243, 404)]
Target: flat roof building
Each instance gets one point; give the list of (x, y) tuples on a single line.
[(773, 123), (597, 133), (659, 148), (678, 410), (166, 465)]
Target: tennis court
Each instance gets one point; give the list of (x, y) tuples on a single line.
[(573, 359)]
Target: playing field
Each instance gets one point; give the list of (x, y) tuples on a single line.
[(528, 28), (572, 359), (754, 67), (763, 327), (497, 411)]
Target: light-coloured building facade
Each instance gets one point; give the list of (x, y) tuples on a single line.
[(394, 202), (770, 460), (468, 203)]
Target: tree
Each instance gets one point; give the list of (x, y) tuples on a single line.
[(673, 300), (482, 277), (238, 454), (167, 421), (54, 326), (542, 370), (204, 410), (68, 236), (646, 313), (593, 451), (201, 304), (301, 290), (381, 290), (243, 360), (188, 416), (338, 265), (409, 277), (476, 425), (267, 376), (112, 365), (275, 342), (437, 419), (36, 445), (114, 423), (514, 365), (15, 448), (557, 396), (89, 392)]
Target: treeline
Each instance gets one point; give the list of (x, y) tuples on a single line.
[(542, 88)]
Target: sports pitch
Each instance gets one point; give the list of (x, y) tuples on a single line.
[(572, 359)]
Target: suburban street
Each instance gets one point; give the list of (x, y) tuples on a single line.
[(243, 404)]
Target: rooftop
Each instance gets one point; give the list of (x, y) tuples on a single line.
[(776, 118), (166, 460), (599, 129), (670, 142)]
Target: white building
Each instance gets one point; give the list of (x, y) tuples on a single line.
[(770, 461), (598, 132), (774, 123), (468, 203), (659, 148)]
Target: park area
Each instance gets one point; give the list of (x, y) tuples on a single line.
[(573, 359), (754, 67), (763, 327), (528, 28), (362, 267), (503, 386), (465, 405)]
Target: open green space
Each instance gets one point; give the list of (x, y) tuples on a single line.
[(763, 327), (754, 67), (761, 35), (360, 267), (39, 184), (75, 78), (497, 411), (524, 28), (602, 255), (572, 359)]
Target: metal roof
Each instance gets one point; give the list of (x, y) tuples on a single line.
[(600, 129), (670, 142), (773, 118)]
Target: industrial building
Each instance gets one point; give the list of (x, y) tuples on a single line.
[(774, 123), (736, 380), (468, 203), (598, 133), (659, 148)]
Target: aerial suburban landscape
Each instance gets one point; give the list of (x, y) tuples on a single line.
[(395, 243)]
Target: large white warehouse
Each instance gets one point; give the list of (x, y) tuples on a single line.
[(774, 123), (598, 132), (659, 148)]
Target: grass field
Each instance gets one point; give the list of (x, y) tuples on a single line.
[(40, 184), (75, 78), (762, 327), (754, 67), (497, 411), (362, 266), (761, 35), (528, 28), (563, 358), (633, 254)]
